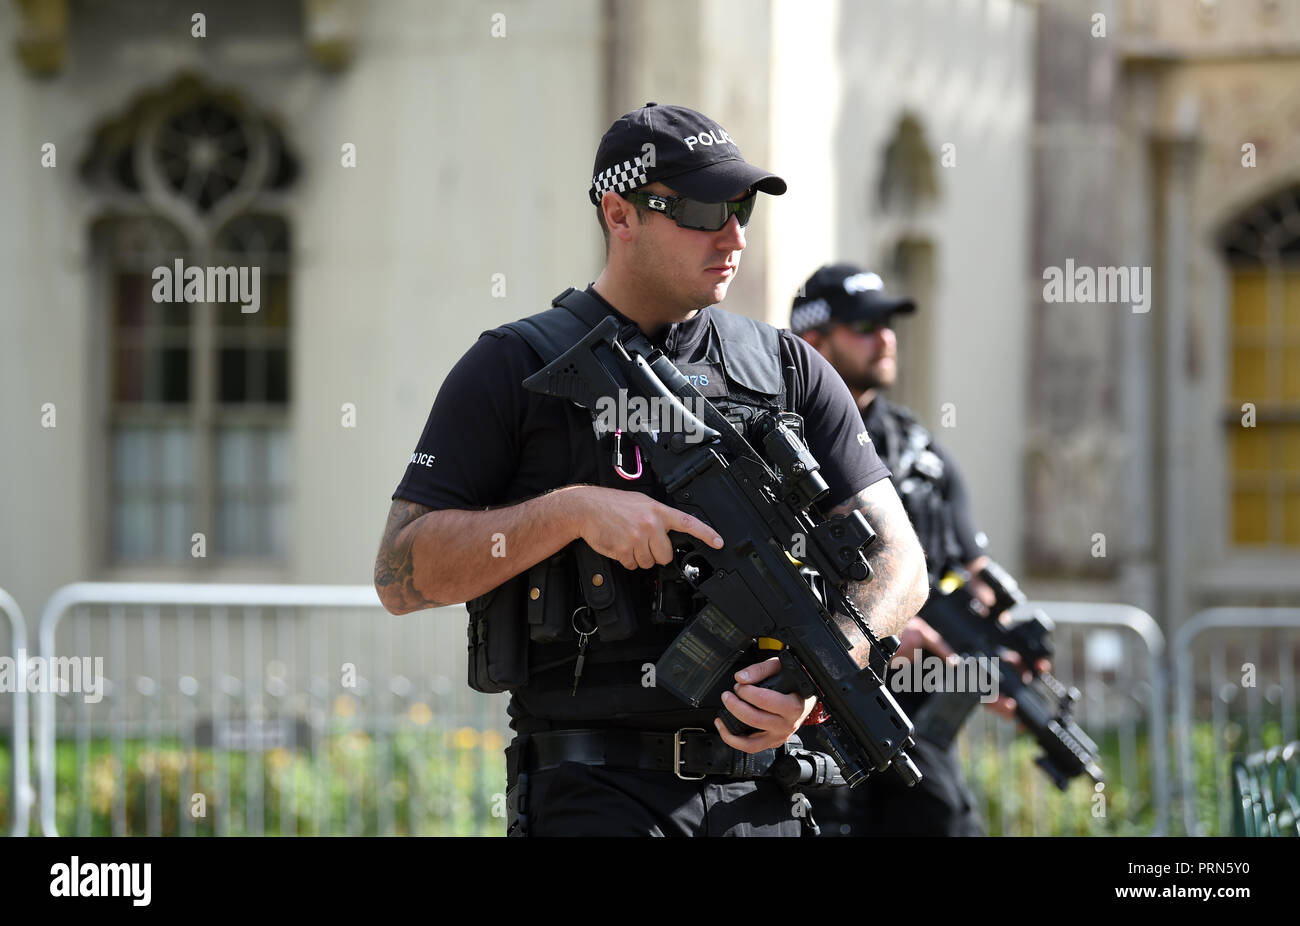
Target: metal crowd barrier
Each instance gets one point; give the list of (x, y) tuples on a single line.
[(310, 709), (1114, 654), (245, 709), (1244, 679), (20, 786)]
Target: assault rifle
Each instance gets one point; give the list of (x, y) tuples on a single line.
[(752, 585), (1044, 704)]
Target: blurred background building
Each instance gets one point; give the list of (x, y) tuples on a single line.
[(407, 175), (278, 435), (1173, 144), (959, 146)]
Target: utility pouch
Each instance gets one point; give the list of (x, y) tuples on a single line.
[(551, 595), (498, 647), (611, 606)]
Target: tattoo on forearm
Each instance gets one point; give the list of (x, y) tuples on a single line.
[(884, 599), (394, 566)]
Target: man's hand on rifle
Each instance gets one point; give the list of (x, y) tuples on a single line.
[(776, 716), (1003, 706), (918, 635), (631, 527)]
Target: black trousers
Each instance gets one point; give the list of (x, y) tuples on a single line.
[(584, 800), (940, 805)]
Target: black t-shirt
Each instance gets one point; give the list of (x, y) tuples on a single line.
[(489, 442)]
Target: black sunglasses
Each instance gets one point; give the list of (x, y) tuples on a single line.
[(691, 213)]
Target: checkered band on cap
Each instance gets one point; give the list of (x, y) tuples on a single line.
[(621, 177), (809, 315)]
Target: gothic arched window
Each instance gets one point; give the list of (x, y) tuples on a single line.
[(193, 263)]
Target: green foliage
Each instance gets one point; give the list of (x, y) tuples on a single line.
[(1018, 799), (442, 782)]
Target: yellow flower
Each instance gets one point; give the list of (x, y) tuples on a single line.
[(103, 784)]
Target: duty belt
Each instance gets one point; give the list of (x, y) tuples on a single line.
[(690, 753)]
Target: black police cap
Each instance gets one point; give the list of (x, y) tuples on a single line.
[(843, 293), (677, 146)]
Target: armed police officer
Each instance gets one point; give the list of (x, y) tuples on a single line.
[(572, 618), (843, 312)]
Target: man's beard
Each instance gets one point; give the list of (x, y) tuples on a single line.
[(868, 379)]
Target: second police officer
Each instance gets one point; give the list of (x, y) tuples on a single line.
[(843, 312)]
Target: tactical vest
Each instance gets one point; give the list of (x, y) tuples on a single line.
[(918, 476), (634, 615)]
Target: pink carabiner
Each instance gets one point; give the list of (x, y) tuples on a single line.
[(618, 457)]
